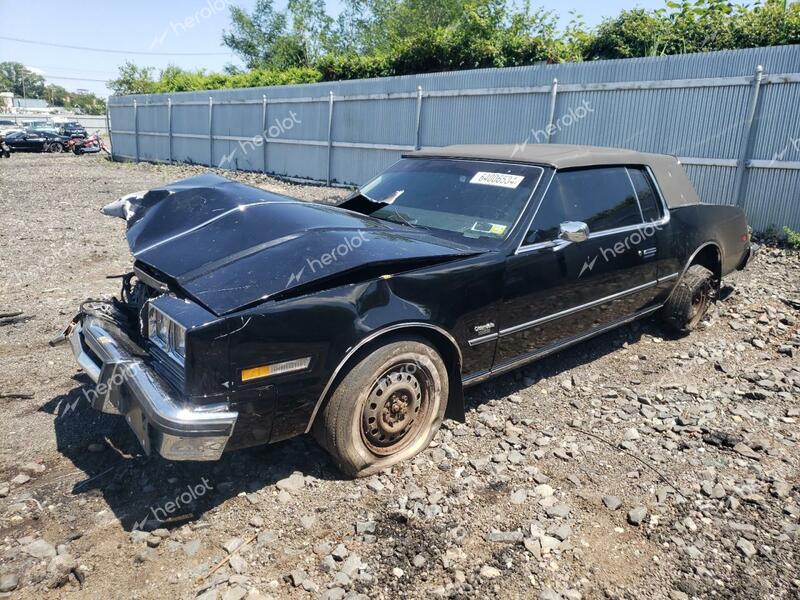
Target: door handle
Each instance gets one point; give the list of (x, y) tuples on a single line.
[(648, 252)]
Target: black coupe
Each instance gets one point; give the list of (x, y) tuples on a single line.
[(251, 317), (36, 141)]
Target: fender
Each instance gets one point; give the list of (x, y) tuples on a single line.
[(455, 393), (691, 258)]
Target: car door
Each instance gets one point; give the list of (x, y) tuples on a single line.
[(34, 141), (556, 290)]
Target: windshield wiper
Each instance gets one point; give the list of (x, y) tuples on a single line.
[(400, 219)]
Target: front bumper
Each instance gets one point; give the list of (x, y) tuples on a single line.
[(127, 385)]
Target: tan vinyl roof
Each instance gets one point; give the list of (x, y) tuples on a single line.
[(674, 184), (560, 156)]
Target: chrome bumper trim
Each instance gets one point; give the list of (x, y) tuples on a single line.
[(160, 419)]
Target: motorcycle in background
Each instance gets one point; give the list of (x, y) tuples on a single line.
[(88, 145)]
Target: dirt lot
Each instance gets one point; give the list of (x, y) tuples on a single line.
[(634, 466)]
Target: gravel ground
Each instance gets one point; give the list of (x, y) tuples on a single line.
[(633, 466)]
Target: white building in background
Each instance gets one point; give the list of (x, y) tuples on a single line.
[(9, 104)]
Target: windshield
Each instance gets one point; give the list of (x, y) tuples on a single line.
[(474, 199)]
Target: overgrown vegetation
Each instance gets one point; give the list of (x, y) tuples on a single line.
[(378, 38), (792, 238), (16, 78)]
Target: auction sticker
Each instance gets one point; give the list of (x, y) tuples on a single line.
[(497, 179)]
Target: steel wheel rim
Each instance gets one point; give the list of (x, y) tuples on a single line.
[(396, 408), (699, 303)]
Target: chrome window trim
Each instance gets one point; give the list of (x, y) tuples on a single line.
[(557, 245), (664, 206), (635, 193), (366, 340), (568, 311), (535, 212)]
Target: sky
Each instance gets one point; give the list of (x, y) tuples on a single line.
[(186, 33)]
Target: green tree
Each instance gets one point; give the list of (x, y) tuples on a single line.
[(133, 80), (312, 27), (17, 78), (379, 38), (12, 75), (262, 39), (632, 33)]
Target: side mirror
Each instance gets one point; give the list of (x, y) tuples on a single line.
[(573, 231)]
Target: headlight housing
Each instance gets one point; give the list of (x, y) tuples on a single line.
[(166, 334)]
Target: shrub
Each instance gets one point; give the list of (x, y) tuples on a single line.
[(792, 238)]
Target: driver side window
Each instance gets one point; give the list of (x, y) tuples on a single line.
[(602, 197)]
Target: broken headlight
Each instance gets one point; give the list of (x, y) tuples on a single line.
[(166, 334)]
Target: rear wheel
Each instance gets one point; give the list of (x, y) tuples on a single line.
[(386, 409), (56, 147), (691, 299)]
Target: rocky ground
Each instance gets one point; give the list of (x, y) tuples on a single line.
[(633, 466)]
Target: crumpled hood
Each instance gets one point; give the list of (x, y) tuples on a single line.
[(229, 245)]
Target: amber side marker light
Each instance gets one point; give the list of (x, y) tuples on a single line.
[(280, 368)]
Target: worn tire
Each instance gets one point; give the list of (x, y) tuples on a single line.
[(690, 300), (363, 407)]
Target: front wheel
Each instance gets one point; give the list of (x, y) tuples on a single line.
[(690, 300), (56, 147), (386, 409)]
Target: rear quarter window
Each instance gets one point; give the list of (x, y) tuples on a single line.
[(646, 192)]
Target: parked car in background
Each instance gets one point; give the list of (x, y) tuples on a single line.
[(72, 129), (44, 129), (32, 140), (250, 317)]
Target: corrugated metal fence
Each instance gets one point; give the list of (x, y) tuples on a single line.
[(733, 117)]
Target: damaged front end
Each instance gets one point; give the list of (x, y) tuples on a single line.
[(206, 251), (113, 342)]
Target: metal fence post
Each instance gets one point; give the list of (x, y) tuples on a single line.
[(747, 136), (108, 127), (136, 127), (264, 129), (419, 118), (552, 115), (169, 127), (330, 133), (210, 132)]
